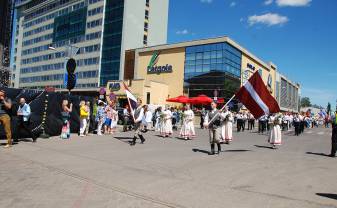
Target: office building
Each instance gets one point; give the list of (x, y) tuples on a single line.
[(216, 67), (5, 34), (48, 32)]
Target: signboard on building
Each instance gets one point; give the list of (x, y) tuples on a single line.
[(152, 68), (159, 69), (114, 86)]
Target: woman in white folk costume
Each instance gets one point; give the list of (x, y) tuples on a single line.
[(114, 120), (226, 126), (275, 136), (187, 130), (159, 122), (166, 129)]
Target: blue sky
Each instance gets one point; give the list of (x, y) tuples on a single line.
[(299, 36)]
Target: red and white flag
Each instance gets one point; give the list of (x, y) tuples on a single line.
[(132, 100), (256, 97)]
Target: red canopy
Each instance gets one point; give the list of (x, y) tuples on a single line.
[(179, 99), (201, 99)]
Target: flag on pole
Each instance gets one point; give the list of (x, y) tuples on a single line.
[(256, 97), (132, 100)]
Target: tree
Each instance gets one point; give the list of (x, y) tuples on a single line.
[(328, 108), (305, 102)]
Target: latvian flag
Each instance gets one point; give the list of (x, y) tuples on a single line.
[(132, 100), (256, 97)]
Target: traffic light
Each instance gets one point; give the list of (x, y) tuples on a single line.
[(70, 76), (71, 66)]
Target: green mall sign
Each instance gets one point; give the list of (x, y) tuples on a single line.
[(153, 69)]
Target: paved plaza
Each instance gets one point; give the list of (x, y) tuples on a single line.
[(106, 172)]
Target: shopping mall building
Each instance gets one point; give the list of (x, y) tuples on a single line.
[(216, 67)]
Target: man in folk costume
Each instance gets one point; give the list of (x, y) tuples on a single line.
[(226, 126), (275, 136), (214, 127), (187, 130), (138, 117)]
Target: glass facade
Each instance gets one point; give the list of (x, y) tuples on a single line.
[(213, 70), (112, 40), (70, 25)]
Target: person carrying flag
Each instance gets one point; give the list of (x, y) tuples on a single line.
[(138, 117), (214, 127)]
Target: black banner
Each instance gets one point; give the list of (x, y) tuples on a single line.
[(38, 100)]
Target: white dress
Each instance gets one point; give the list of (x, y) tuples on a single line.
[(187, 129), (159, 122), (114, 120), (166, 129), (227, 127), (275, 136)]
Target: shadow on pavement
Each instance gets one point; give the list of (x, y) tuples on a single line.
[(199, 150), (260, 146), (331, 196), (319, 154), (122, 139), (238, 150)]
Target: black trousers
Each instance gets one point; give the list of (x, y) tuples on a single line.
[(239, 124), (251, 124), (202, 120), (243, 125), (334, 141), (25, 126), (301, 126), (262, 126), (297, 128)]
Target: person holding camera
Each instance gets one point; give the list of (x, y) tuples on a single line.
[(5, 120)]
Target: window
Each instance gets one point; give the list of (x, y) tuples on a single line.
[(148, 98), (147, 3)]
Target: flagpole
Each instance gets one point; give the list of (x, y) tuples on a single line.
[(216, 115), (132, 113)]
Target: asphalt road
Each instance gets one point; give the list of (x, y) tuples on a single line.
[(106, 172)]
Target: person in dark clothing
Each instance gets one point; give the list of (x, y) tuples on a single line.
[(296, 123), (5, 120), (138, 116), (334, 135)]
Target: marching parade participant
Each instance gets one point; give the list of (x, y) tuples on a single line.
[(227, 126), (214, 127), (275, 136), (138, 116), (158, 119), (187, 130), (166, 129)]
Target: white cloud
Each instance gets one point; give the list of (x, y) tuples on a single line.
[(232, 4), (182, 32), (206, 1), (293, 3), (268, 2), (269, 19)]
